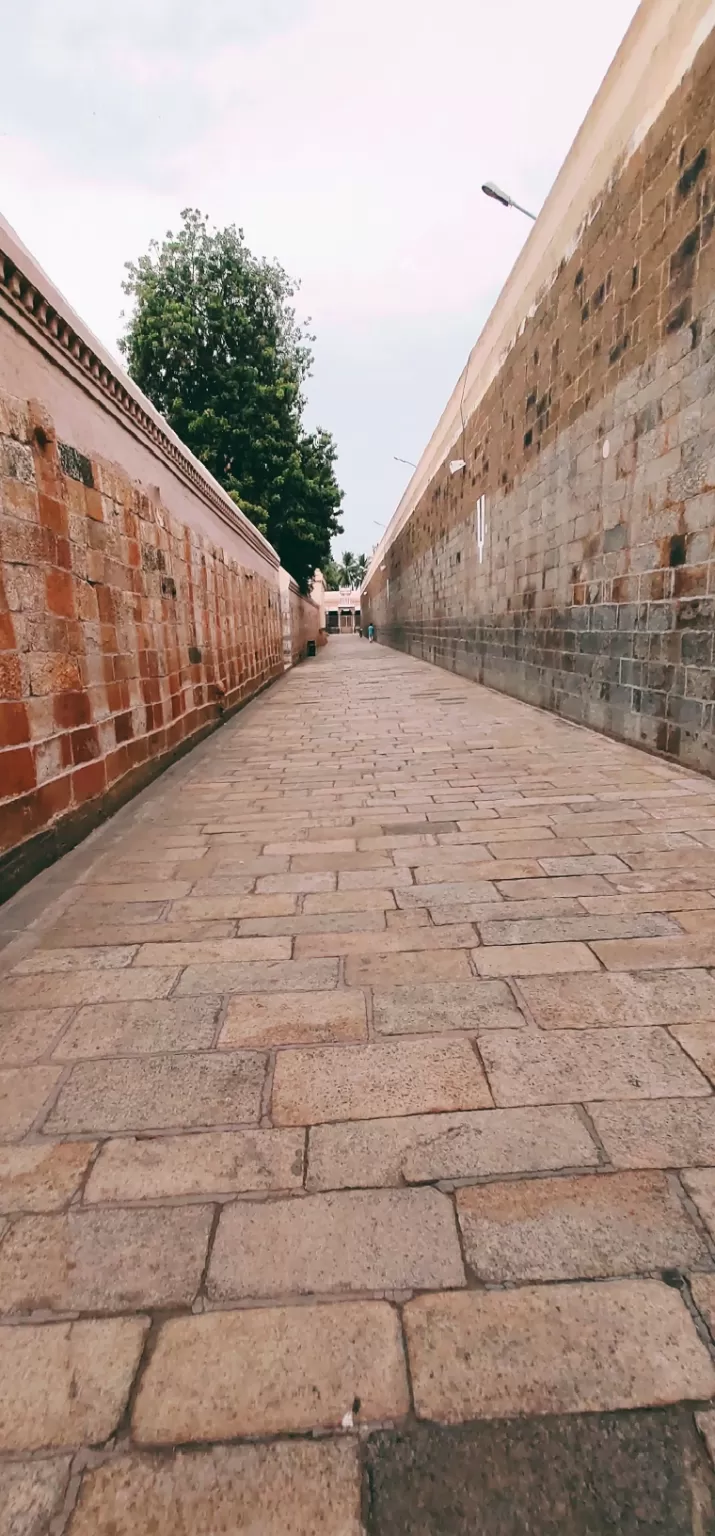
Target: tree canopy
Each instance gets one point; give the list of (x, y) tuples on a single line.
[(348, 571), (214, 342)]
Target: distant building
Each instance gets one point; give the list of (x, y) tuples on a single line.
[(339, 611)]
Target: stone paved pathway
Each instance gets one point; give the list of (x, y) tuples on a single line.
[(355, 1101)]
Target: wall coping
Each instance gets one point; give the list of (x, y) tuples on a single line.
[(656, 52), (30, 302)]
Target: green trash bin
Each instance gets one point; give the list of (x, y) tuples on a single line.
[(311, 647)]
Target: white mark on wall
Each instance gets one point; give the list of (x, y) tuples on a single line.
[(606, 449), (481, 525)]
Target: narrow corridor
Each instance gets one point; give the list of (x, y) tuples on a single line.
[(356, 1099)]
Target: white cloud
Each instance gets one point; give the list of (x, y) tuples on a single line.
[(349, 138)]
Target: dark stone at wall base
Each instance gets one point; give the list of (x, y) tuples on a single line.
[(642, 673), (625, 1474)]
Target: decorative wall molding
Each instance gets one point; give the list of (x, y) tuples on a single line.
[(36, 309)]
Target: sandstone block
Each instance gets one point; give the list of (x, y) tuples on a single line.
[(388, 942), (271, 1370), (451, 892), (295, 884), (70, 991), (104, 1261), (66, 1384), (415, 1149), (677, 997), (283, 1489), (23, 1091), (158, 1092), (349, 901), (92, 957), (284, 1018), (472, 1005), (564, 929), (42, 1177), (30, 1033), (141, 1028), (209, 908), (533, 959), (376, 1080), (571, 1066), (657, 954), (214, 952), (355, 1240), (587, 1348), (31, 1493), (668, 1133), (576, 1228), (269, 976), (411, 967), (206, 1162)]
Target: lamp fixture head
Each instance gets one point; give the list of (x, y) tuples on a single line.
[(456, 465), (492, 190)]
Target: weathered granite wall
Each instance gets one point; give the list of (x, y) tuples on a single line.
[(592, 444)]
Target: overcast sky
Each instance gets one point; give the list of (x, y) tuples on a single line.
[(348, 138)]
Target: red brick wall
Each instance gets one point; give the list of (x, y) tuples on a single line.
[(304, 622), (123, 634)]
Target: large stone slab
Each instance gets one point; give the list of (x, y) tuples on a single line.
[(268, 976), (30, 1033), (584, 1348), (429, 966), (284, 1489), (37, 1177), (206, 1162), (668, 1133), (140, 1028), (285, 1018), (431, 1009), (613, 999), (572, 1065), (77, 987), (104, 1261), (23, 1092), (158, 1092), (576, 1228), (376, 1080), (414, 1149), (568, 1475), (78, 958), (271, 1370), (533, 959), (31, 1493), (358, 1240), (66, 1384)]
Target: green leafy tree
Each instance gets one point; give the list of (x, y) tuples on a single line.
[(214, 342), (361, 565), (346, 569), (331, 575)]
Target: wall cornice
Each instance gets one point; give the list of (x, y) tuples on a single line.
[(30, 302)]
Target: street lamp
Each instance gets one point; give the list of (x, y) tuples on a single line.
[(491, 190), (398, 460)]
